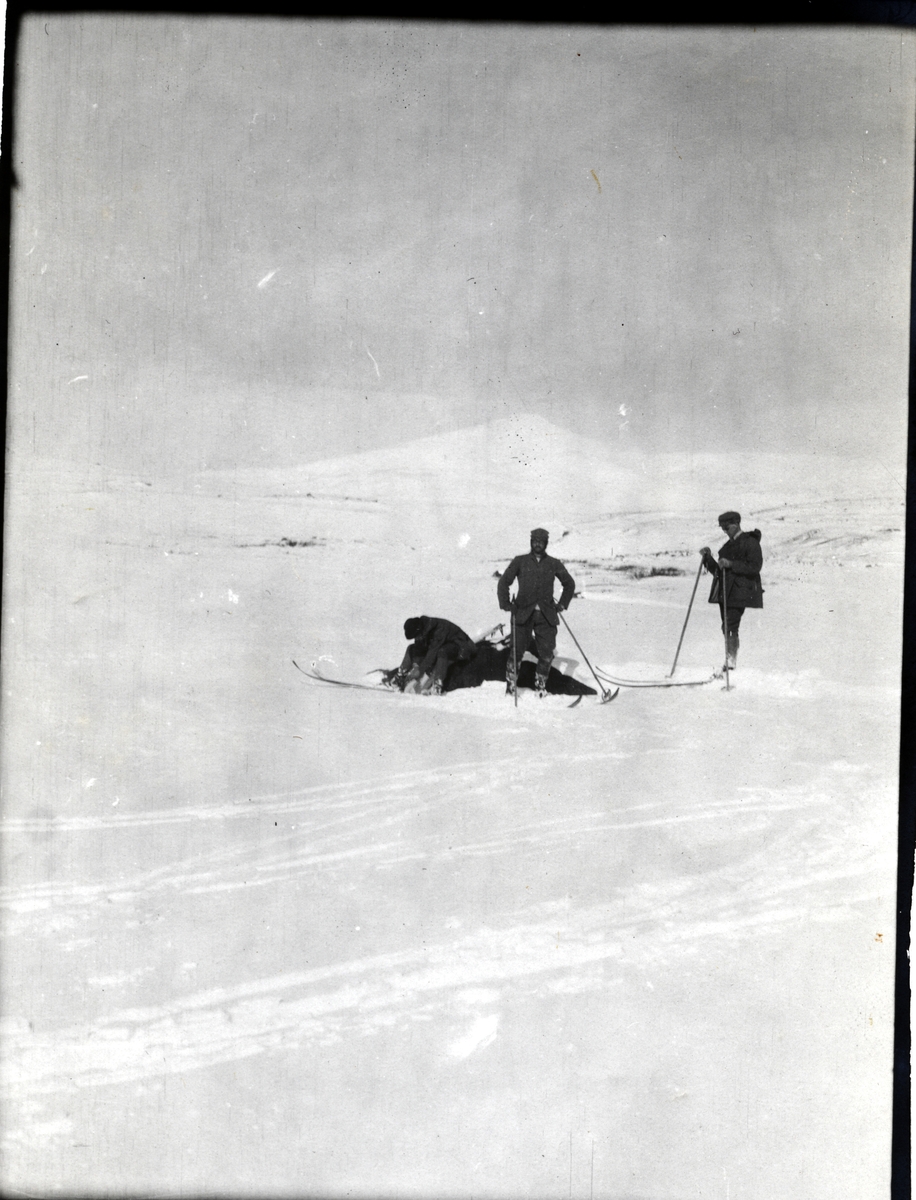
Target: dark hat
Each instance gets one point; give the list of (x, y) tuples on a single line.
[(540, 533), (412, 627), (730, 518)]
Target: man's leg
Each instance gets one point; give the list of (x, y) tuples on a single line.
[(545, 640), (432, 686), (522, 640), (734, 616)]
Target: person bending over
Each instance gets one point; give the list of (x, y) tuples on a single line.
[(437, 644)]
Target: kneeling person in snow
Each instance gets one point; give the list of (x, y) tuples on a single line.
[(535, 611), (736, 583), (437, 644)]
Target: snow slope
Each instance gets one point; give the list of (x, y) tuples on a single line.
[(315, 941)]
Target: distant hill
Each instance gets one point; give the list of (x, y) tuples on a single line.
[(525, 462)]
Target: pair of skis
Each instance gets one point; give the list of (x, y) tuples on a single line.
[(378, 687), (604, 676)]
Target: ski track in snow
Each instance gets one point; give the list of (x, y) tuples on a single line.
[(368, 816), (364, 996), (568, 949), (230, 869)]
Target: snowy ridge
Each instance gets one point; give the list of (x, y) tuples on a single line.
[(525, 457)]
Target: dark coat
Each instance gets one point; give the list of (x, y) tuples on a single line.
[(742, 580), (535, 586), (436, 634)]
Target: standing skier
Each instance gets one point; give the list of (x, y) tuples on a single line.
[(535, 611), (436, 645), (738, 569)]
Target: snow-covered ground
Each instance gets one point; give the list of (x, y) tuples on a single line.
[(269, 937)]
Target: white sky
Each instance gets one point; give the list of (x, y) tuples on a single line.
[(265, 241)]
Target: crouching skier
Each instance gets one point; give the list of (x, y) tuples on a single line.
[(534, 609), (437, 644)]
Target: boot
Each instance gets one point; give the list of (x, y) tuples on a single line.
[(432, 683), (540, 684), (731, 652)]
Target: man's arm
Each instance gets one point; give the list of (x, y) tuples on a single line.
[(708, 561), (569, 587), (507, 578)]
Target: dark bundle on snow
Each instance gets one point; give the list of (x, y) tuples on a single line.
[(489, 665)]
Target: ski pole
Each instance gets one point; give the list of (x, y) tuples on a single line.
[(725, 628), (514, 663), (686, 619), (605, 695)]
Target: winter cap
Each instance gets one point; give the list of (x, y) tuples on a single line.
[(730, 518), (540, 533), (412, 627)]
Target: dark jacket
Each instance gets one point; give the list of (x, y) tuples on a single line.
[(535, 586), (742, 579), (436, 634)]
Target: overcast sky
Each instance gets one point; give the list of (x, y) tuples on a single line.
[(260, 242)]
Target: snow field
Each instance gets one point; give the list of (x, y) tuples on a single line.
[(314, 940)]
